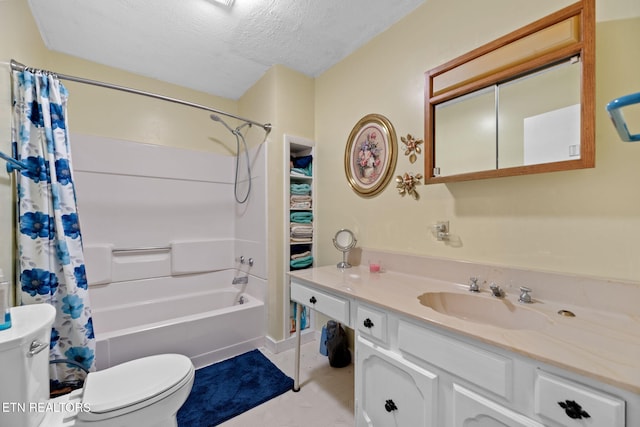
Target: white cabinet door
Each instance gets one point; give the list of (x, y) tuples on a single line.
[(473, 410), (392, 392)]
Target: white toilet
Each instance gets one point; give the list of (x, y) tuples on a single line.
[(142, 393)]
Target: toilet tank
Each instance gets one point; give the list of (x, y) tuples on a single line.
[(24, 378)]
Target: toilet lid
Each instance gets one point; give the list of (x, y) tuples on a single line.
[(134, 382)]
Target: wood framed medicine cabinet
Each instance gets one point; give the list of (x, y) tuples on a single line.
[(522, 104)]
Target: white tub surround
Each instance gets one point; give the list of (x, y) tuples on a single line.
[(599, 347), (198, 315), (163, 235)]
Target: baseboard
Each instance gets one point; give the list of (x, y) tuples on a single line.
[(210, 358), (275, 347)]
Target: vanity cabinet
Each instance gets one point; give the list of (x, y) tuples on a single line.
[(410, 372), (461, 382)]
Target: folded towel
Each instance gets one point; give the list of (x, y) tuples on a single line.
[(295, 224), (300, 198), (300, 188), (301, 262), (301, 240), (301, 166), (302, 161), (301, 255), (302, 231), (300, 205), (302, 172), (302, 217), (300, 202)]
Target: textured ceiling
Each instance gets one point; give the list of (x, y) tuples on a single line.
[(211, 48)]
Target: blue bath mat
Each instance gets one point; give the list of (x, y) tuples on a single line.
[(231, 387)]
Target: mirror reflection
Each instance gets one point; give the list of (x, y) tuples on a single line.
[(539, 117), (468, 148), (530, 120)]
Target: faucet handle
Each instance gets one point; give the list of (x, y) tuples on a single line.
[(473, 286), (525, 296)]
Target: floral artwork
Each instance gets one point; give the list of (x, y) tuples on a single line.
[(370, 155)]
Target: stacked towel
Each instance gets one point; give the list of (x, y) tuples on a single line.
[(301, 217), (301, 189), (302, 262), (300, 202), (301, 233), (301, 255), (301, 166)]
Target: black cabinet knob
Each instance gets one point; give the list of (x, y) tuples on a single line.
[(390, 406), (368, 323), (313, 300), (574, 410)]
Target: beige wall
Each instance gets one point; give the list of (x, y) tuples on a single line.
[(286, 99), (585, 222)]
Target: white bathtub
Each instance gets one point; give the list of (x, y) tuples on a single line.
[(185, 315)]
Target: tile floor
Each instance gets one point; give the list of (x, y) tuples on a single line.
[(325, 398)]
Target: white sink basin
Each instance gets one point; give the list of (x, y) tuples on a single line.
[(482, 308)]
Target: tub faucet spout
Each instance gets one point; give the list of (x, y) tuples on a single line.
[(240, 280)]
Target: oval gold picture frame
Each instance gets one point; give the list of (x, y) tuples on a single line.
[(370, 155)]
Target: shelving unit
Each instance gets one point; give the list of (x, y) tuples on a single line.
[(300, 250)]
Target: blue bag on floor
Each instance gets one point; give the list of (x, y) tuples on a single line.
[(323, 342)]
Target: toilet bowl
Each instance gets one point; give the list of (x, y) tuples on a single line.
[(142, 392)]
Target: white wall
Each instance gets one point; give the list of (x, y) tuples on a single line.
[(133, 195)]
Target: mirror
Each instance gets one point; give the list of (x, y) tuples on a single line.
[(344, 241), (521, 104)]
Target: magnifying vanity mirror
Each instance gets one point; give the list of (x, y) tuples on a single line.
[(521, 104), (344, 241)]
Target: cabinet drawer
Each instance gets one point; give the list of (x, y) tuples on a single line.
[(372, 322), (330, 305), (485, 369), (582, 405)]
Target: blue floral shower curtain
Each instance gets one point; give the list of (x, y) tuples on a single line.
[(51, 261)]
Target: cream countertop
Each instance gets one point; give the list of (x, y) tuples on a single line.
[(597, 344)]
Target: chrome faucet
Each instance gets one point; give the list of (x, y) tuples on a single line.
[(496, 291), (473, 286), (240, 280)]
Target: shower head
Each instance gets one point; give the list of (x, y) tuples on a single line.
[(216, 118)]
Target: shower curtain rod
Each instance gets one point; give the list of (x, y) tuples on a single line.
[(16, 66)]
